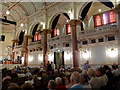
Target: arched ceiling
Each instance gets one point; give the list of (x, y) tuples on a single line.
[(18, 10)]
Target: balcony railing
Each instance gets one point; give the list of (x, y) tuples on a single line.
[(59, 39), (100, 29)]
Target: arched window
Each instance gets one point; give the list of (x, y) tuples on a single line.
[(36, 33), (58, 24), (21, 37)]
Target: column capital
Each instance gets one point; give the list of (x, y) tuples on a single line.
[(29, 36), (117, 9), (74, 22), (47, 30), (15, 40)]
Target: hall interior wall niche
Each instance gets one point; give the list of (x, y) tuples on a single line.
[(2, 37)]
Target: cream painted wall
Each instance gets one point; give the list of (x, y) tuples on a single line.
[(5, 44)]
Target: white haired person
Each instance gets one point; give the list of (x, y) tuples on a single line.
[(75, 81), (59, 85)]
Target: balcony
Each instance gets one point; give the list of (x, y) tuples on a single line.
[(99, 31), (18, 48), (59, 39), (35, 44)]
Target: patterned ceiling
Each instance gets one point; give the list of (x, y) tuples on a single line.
[(18, 10)]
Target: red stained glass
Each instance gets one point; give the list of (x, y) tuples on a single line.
[(55, 32), (112, 17), (35, 37), (98, 21), (38, 37), (68, 30)]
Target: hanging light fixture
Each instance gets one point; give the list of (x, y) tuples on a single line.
[(7, 12), (21, 24)]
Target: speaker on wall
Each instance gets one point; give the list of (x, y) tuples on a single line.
[(2, 37)]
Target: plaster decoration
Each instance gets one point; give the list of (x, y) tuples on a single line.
[(74, 22)]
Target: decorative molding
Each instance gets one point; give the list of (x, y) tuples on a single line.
[(75, 22), (117, 8)]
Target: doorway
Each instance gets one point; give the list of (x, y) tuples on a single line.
[(59, 59)]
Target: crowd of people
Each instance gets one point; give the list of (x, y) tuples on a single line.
[(48, 77)]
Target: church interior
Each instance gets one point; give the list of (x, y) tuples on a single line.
[(66, 34)]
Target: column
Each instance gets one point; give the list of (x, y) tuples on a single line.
[(117, 10), (26, 49), (45, 56), (13, 46), (75, 50)]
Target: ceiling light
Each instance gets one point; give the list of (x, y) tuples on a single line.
[(69, 11), (7, 12), (67, 20), (21, 24), (41, 23), (99, 10)]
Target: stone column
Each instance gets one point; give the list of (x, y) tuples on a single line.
[(117, 11), (13, 46), (26, 49), (75, 50), (45, 56)]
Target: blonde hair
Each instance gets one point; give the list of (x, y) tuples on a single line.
[(91, 72)]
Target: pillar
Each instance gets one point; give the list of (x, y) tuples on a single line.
[(13, 46), (45, 56), (75, 50), (117, 11), (26, 49)]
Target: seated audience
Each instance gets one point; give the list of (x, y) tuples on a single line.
[(114, 71), (30, 80), (7, 77), (84, 81), (27, 86), (28, 73), (100, 72), (94, 81), (75, 81), (59, 85), (51, 85), (13, 86)]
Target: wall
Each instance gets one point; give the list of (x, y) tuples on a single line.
[(4, 51)]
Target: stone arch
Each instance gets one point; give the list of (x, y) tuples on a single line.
[(21, 37), (32, 26), (18, 33), (54, 15), (82, 6)]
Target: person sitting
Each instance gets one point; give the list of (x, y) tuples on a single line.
[(13, 86), (27, 86), (59, 85), (28, 73), (7, 77), (100, 72), (30, 80), (94, 81), (75, 81), (84, 81), (51, 85), (44, 79)]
